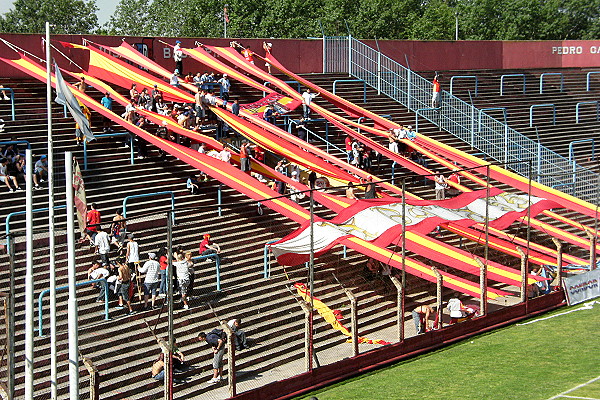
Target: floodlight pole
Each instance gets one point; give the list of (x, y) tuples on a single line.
[(311, 278), (529, 172), (51, 233), (403, 277), (169, 354), (29, 300), (483, 306)]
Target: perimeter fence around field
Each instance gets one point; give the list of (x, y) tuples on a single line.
[(490, 136)]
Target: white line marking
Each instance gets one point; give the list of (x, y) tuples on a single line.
[(575, 388), (586, 306), (584, 398)]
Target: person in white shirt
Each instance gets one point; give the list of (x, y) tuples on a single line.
[(225, 154), (102, 243), (307, 98), (241, 342), (178, 57), (98, 272), (225, 86), (174, 81), (183, 277), (152, 270), (132, 257)]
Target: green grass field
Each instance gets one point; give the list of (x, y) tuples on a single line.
[(533, 361)]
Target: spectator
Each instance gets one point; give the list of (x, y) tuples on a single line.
[(454, 177), (268, 47), (133, 93), (152, 280), (132, 256), (41, 169), (93, 220), (248, 54), (270, 115), (370, 190), (183, 277), (191, 272), (4, 177), (245, 157), (198, 80), (124, 282), (178, 57), (98, 272), (440, 187), (81, 86), (144, 100), (162, 260), (307, 98), (106, 102), (217, 339), (174, 81), (192, 185), (208, 247), (241, 342), (78, 132), (225, 154), (200, 108), (4, 96), (437, 89), (302, 129), (118, 228), (420, 317), (225, 87), (235, 107), (102, 243), (350, 192)]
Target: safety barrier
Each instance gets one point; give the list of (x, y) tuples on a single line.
[(62, 288), (587, 79), (464, 77), (542, 106), (6, 143), (587, 102), (511, 76), (352, 80), (571, 152), (137, 196), (562, 80), (348, 55), (217, 259), (14, 214), (104, 135)]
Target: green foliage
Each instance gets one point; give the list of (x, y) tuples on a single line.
[(66, 16)]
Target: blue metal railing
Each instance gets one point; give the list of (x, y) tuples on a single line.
[(510, 75), (62, 288), (103, 135), (464, 77), (296, 82), (571, 152), (539, 106), (137, 196), (418, 112), (16, 142), (587, 79), (14, 214), (12, 100), (562, 80), (587, 102), (217, 259), (482, 110), (352, 80)]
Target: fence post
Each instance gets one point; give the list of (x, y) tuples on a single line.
[(349, 55), (438, 292), (593, 239), (94, 378), (482, 286), (354, 321), (230, 358), (558, 245), (399, 315), (307, 336), (167, 359), (523, 274)]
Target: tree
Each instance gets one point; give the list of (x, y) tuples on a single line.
[(66, 16)]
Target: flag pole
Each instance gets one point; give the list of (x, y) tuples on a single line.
[(51, 232), (225, 21), (29, 300), (72, 302)]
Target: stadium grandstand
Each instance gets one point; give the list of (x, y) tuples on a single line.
[(327, 200)]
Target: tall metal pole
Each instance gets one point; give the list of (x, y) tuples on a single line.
[(225, 12), (169, 360), (529, 171), (10, 331), (311, 277), (403, 298), (483, 301), (72, 304), (29, 300), (51, 241)]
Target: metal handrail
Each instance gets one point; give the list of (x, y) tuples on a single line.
[(510, 75), (352, 80), (14, 214), (571, 152), (562, 80), (61, 288), (103, 135), (298, 83), (266, 263), (587, 102), (137, 196), (217, 259), (539, 106), (12, 100), (482, 110), (464, 77), (418, 112), (587, 79), (16, 142)]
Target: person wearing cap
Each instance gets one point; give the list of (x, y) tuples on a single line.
[(370, 190), (41, 169), (174, 81), (437, 91), (97, 271), (268, 47), (208, 247), (106, 101), (152, 270), (225, 86), (178, 56), (454, 177)]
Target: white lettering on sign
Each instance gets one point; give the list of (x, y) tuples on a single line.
[(568, 50), (594, 50), (166, 52)]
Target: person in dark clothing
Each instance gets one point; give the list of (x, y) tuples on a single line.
[(217, 339)]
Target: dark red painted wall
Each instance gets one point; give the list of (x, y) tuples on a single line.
[(306, 55)]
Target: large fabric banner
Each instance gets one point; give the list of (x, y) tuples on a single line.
[(65, 97), (79, 194), (582, 287), (380, 221)]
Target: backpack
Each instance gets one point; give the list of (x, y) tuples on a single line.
[(219, 333)]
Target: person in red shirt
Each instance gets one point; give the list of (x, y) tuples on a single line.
[(259, 153), (208, 247), (247, 53), (92, 225), (454, 177), (435, 99), (245, 157)]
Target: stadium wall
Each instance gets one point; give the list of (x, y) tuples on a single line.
[(306, 55), (411, 347)]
